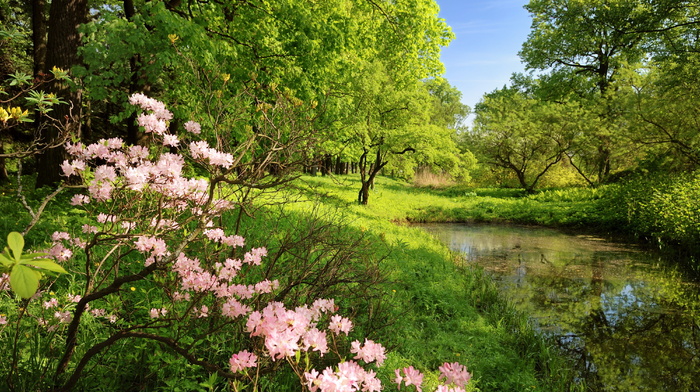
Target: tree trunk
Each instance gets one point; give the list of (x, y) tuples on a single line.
[(39, 35), (366, 178), (133, 133), (62, 51), (327, 167), (338, 166)]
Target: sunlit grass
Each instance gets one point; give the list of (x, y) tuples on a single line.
[(444, 310)]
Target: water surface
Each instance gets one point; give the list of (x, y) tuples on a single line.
[(629, 321)]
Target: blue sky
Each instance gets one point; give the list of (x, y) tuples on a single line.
[(484, 54)]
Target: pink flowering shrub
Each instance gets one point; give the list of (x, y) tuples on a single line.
[(149, 222)]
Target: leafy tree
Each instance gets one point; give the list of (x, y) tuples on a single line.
[(524, 135), (662, 106), (326, 54), (593, 40)]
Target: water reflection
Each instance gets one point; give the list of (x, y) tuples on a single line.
[(630, 322)]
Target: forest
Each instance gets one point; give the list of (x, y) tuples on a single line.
[(210, 195)]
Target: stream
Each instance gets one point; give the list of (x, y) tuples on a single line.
[(628, 319)]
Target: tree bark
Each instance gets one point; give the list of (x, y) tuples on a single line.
[(39, 36), (62, 51)]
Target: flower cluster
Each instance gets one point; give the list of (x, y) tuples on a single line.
[(348, 377), (454, 375), (411, 376)]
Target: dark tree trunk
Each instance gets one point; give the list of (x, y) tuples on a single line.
[(133, 135), (62, 51), (367, 177), (39, 35), (338, 166), (327, 167)]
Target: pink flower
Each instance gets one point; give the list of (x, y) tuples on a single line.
[(63, 317), (4, 282), (322, 305), (104, 218), (369, 352), (98, 150), (79, 243), (349, 377), (71, 168), (265, 286), (193, 127), (411, 377), (114, 143), (178, 296), (340, 324), (53, 302), (316, 340), (75, 149), (3, 320), (254, 257), (60, 252), (243, 360), (455, 373), (233, 240), (156, 313), (101, 191), (138, 152), (78, 200), (105, 173), (146, 103), (170, 140), (90, 229), (156, 246), (60, 235), (214, 234), (151, 123), (75, 298)]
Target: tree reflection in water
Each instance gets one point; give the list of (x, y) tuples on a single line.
[(630, 323)]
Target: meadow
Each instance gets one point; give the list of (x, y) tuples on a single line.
[(399, 285)]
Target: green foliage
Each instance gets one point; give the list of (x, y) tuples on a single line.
[(25, 269), (523, 135), (665, 209)]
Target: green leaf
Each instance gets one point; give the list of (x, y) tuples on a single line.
[(16, 242), (5, 258), (33, 255), (24, 281), (45, 265)]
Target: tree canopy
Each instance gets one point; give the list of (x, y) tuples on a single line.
[(623, 70), (362, 76)]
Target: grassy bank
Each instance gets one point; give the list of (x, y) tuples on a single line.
[(445, 312), (402, 287)]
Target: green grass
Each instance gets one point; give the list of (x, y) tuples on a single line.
[(444, 311), (429, 307)]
